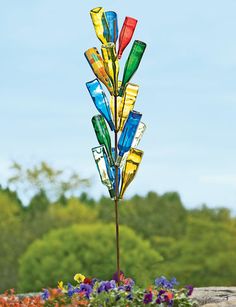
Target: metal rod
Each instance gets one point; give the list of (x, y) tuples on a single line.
[(116, 200)]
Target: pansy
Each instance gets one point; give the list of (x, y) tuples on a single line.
[(115, 276), (106, 286), (79, 277), (70, 290), (45, 294), (165, 283), (86, 289), (147, 298), (129, 281), (190, 289), (88, 281), (60, 285)]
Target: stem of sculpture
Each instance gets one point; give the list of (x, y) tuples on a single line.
[(116, 200)]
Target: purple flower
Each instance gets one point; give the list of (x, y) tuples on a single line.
[(147, 298), (45, 294), (190, 289), (87, 289), (70, 290), (106, 286), (129, 297), (121, 288), (94, 280), (115, 276), (129, 281), (128, 288), (165, 283)]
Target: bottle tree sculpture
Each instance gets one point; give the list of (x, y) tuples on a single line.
[(117, 164)]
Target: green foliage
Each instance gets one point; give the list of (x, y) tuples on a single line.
[(198, 245), (11, 243), (55, 215), (205, 256), (88, 249), (150, 215)]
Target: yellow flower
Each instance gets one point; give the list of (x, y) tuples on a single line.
[(60, 285), (79, 277)]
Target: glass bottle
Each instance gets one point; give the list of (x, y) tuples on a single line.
[(127, 103), (111, 64), (100, 158), (111, 18), (112, 107), (139, 134), (114, 169), (128, 134), (100, 100), (137, 138), (103, 135), (130, 169), (96, 63), (100, 24), (126, 34), (132, 63)]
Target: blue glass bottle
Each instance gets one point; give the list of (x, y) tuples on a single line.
[(111, 18), (100, 100), (128, 134)]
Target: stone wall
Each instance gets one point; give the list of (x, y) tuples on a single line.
[(215, 296)]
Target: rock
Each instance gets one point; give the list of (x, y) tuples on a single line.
[(215, 296)]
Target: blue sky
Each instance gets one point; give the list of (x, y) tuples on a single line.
[(187, 92)]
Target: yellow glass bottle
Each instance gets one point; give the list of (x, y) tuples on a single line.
[(130, 169), (96, 63), (100, 24), (111, 64), (112, 106), (127, 103)]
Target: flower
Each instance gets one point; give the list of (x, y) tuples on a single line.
[(106, 286), (86, 289), (115, 276), (88, 281), (190, 289), (147, 298), (165, 283), (79, 277), (129, 281), (169, 295), (60, 285), (45, 294), (70, 290)]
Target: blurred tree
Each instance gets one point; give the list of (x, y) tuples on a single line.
[(86, 199), (12, 239), (205, 256), (54, 183), (88, 249), (150, 215)]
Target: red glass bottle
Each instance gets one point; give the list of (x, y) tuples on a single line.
[(126, 34)]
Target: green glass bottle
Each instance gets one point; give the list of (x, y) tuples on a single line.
[(103, 135), (132, 63)]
